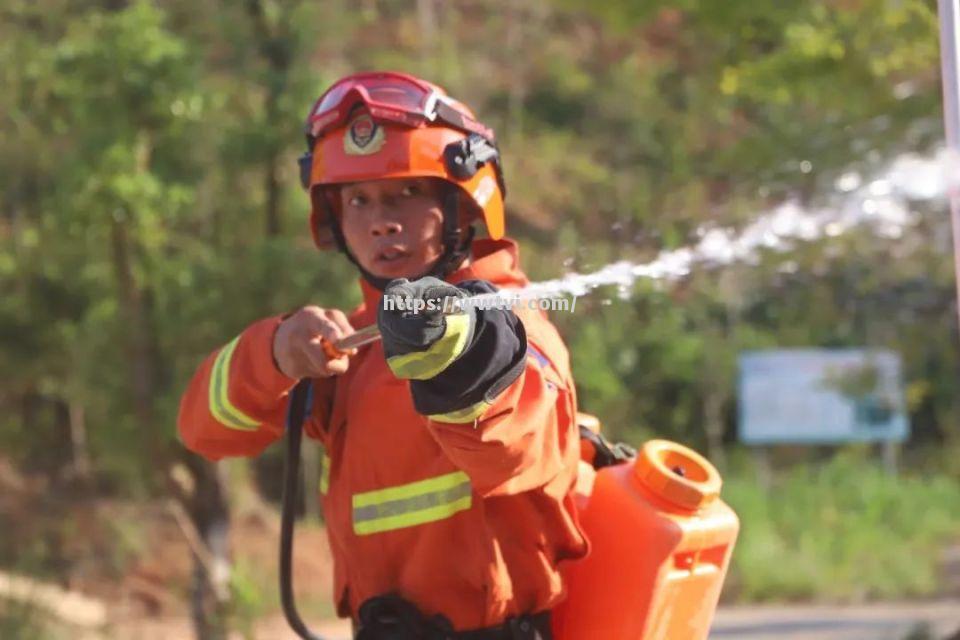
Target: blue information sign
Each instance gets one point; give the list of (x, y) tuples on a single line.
[(821, 396)]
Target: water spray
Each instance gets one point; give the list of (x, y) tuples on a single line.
[(880, 203)]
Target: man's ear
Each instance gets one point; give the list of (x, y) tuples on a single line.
[(324, 202), (467, 213)]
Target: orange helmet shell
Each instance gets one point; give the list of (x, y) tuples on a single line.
[(368, 150)]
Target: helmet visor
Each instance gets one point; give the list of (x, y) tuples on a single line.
[(389, 97)]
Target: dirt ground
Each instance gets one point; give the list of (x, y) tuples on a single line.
[(133, 562)]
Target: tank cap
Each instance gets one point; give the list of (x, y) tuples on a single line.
[(677, 474)]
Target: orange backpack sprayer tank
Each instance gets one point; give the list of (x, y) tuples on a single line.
[(661, 541)]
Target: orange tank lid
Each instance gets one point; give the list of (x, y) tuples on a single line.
[(677, 474)]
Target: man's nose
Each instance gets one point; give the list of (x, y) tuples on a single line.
[(384, 226)]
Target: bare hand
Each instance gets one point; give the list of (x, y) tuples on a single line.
[(298, 346)]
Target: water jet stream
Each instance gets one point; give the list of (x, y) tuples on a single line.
[(881, 203)]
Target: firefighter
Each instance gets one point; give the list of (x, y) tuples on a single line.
[(451, 446)]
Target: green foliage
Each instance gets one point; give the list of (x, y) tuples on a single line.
[(844, 530), (250, 597), (21, 622), (127, 542)]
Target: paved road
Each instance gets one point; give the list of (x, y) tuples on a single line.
[(872, 622), (894, 621)]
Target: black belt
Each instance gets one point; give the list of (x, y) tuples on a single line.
[(393, 618), (528, 627)]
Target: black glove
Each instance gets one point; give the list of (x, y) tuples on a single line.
[(472, 355), (424, 329)]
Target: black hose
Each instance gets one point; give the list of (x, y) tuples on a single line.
[(300, 400)]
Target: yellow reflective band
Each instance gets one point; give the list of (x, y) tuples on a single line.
[(220, 405), (325, 474), (411, 504), (423, 365), (463, 416)]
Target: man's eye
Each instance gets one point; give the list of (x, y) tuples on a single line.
[(358, 201), (411, 190)]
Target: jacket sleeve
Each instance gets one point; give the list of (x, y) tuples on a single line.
[(236, 403), (523, 440)]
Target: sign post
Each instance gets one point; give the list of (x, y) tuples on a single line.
[(949, 65)]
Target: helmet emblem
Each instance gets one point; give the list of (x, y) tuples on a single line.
[(363, 137)]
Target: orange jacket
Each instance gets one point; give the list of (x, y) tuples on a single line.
[(465, 520)]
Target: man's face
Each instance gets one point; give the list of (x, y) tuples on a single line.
[(393, 227)]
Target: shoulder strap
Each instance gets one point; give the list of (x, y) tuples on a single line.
[(606, 453)]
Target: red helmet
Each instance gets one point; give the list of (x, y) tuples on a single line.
[(370, 126)]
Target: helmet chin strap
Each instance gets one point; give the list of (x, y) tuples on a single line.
[(454, 251)]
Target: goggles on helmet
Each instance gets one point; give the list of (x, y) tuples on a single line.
[(388, 97)]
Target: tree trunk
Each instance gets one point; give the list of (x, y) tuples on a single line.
[(310, 461), (427, 17), (274, 46), (514, 47), (274, 224), (713, 427), (209, 510), (135, 301), (131, 299), (78, 443)]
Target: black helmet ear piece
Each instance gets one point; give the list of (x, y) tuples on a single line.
[(306, 168), (465, 157), (306, 160)]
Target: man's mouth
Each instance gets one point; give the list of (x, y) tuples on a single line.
[(391, 254)]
